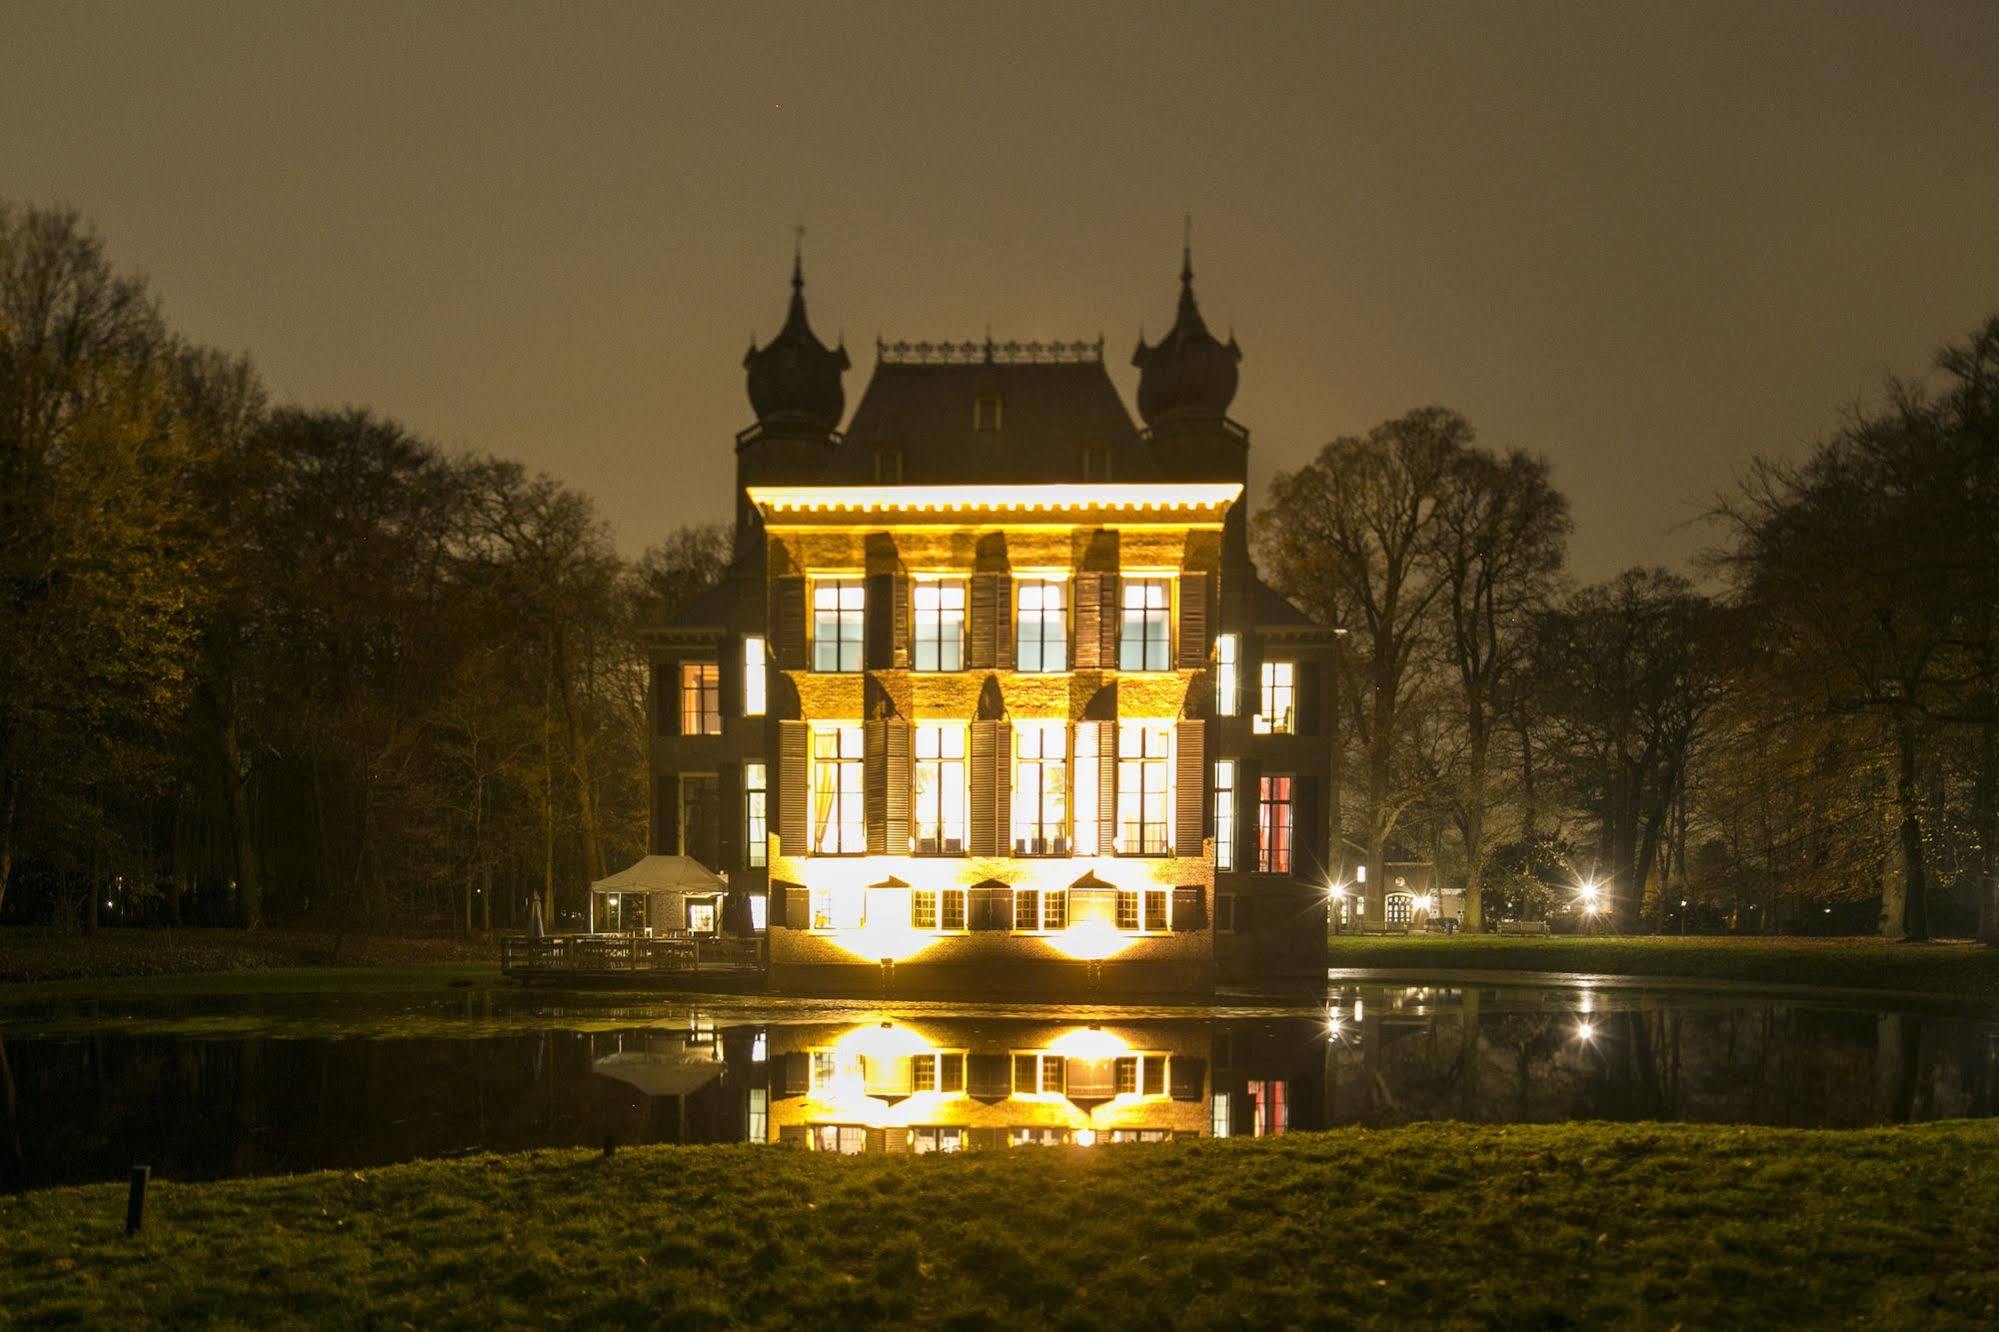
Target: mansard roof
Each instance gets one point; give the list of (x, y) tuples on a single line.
[(1047, 405)]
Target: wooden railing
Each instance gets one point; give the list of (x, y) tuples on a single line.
[(622, 954)]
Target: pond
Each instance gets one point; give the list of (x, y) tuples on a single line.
[(209, 1087)]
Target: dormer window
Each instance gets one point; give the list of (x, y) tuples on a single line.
[(888, 467), (986, 412), (1096, 464)]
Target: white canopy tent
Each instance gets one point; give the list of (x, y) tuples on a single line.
[(656, 894)]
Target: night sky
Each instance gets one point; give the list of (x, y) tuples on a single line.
[(1648, 240)]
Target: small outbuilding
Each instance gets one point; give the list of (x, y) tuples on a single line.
[(659, 895)]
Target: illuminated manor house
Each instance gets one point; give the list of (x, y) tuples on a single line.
[(991, 698)]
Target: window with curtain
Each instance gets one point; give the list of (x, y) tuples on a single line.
[(1276, 712), (838, 823), (1040, 789), (1224, 814), (1144, 751), (700, 698), (1273, 826), (939, 781)]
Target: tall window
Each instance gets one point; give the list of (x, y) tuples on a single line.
[(1142, 633), (939, 779), (838, 606), (940, 626), (759, 1125), (756, 816), (1276, 711), (1042, 625), (838, 827), (1143, 749), (1224, 814), (754, 688), (1039, 1074), (1228, 674), (1273, 826), (1040, 790), (700, 698)]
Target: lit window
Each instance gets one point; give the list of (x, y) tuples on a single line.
[(939, 779), (1225, 814), (1040, 790), (937, 909), (1084, 791), (833, 910), (1142, 749), (1228, 675), (1274, 712), (838, 607), (756, 818), (1126, 1069), (1218, 1118), (1269, 1109), (1036, 909), (1039, 1075), (1142, 909), (1152, 1076), (759, 912), (759, 1125), (846, 1139), (923, 909), (1273, 826), (1054, 909), (838, 826), (940, 1071), (954, 903), (1143, 630), (700, 698), (940, 626), (1042, 622), (754, 689), (929, 1139)]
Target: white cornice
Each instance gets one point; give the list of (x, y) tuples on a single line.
[(778, 502)]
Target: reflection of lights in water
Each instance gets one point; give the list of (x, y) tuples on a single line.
[(1359, 1009), (1586, 1031), (1588, 1001)]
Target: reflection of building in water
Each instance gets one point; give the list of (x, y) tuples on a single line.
[(953, 1086)]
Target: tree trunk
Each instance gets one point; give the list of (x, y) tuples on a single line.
[(579, 764), (547, 812), (9, 802), (1985, 819), (1917, 917), (249, 876)]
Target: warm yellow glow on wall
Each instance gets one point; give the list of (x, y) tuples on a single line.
[(1088, 1043)]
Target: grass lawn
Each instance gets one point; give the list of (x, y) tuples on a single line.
[(200, 961), (1962, 970), (1658, 1225)]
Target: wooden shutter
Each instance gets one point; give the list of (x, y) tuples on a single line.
[(788, 623), (874, 785), (987, 906), (1193, 621), (1310, 705), (982, 830), (1107, 733), (665, 815), (895, 1141), (1088, 592), (665, 698), (1308, 841), (1109, 616), (792, 793), (1190, 789), (980, 614), (729, 834), (876, 1142), (1186, 1077), (878, 625), (794, 1075), (897, 776), (899, 621), (988, 1076), (1003, 621), (1190, 908), (1002, 789)]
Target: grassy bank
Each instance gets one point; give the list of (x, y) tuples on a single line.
[(1963, 970), (40, 956), (1659, 1225)]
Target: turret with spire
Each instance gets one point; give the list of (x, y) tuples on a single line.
[(1188, 374), (795, 377)]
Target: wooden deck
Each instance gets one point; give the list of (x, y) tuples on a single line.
[(676, 958)]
